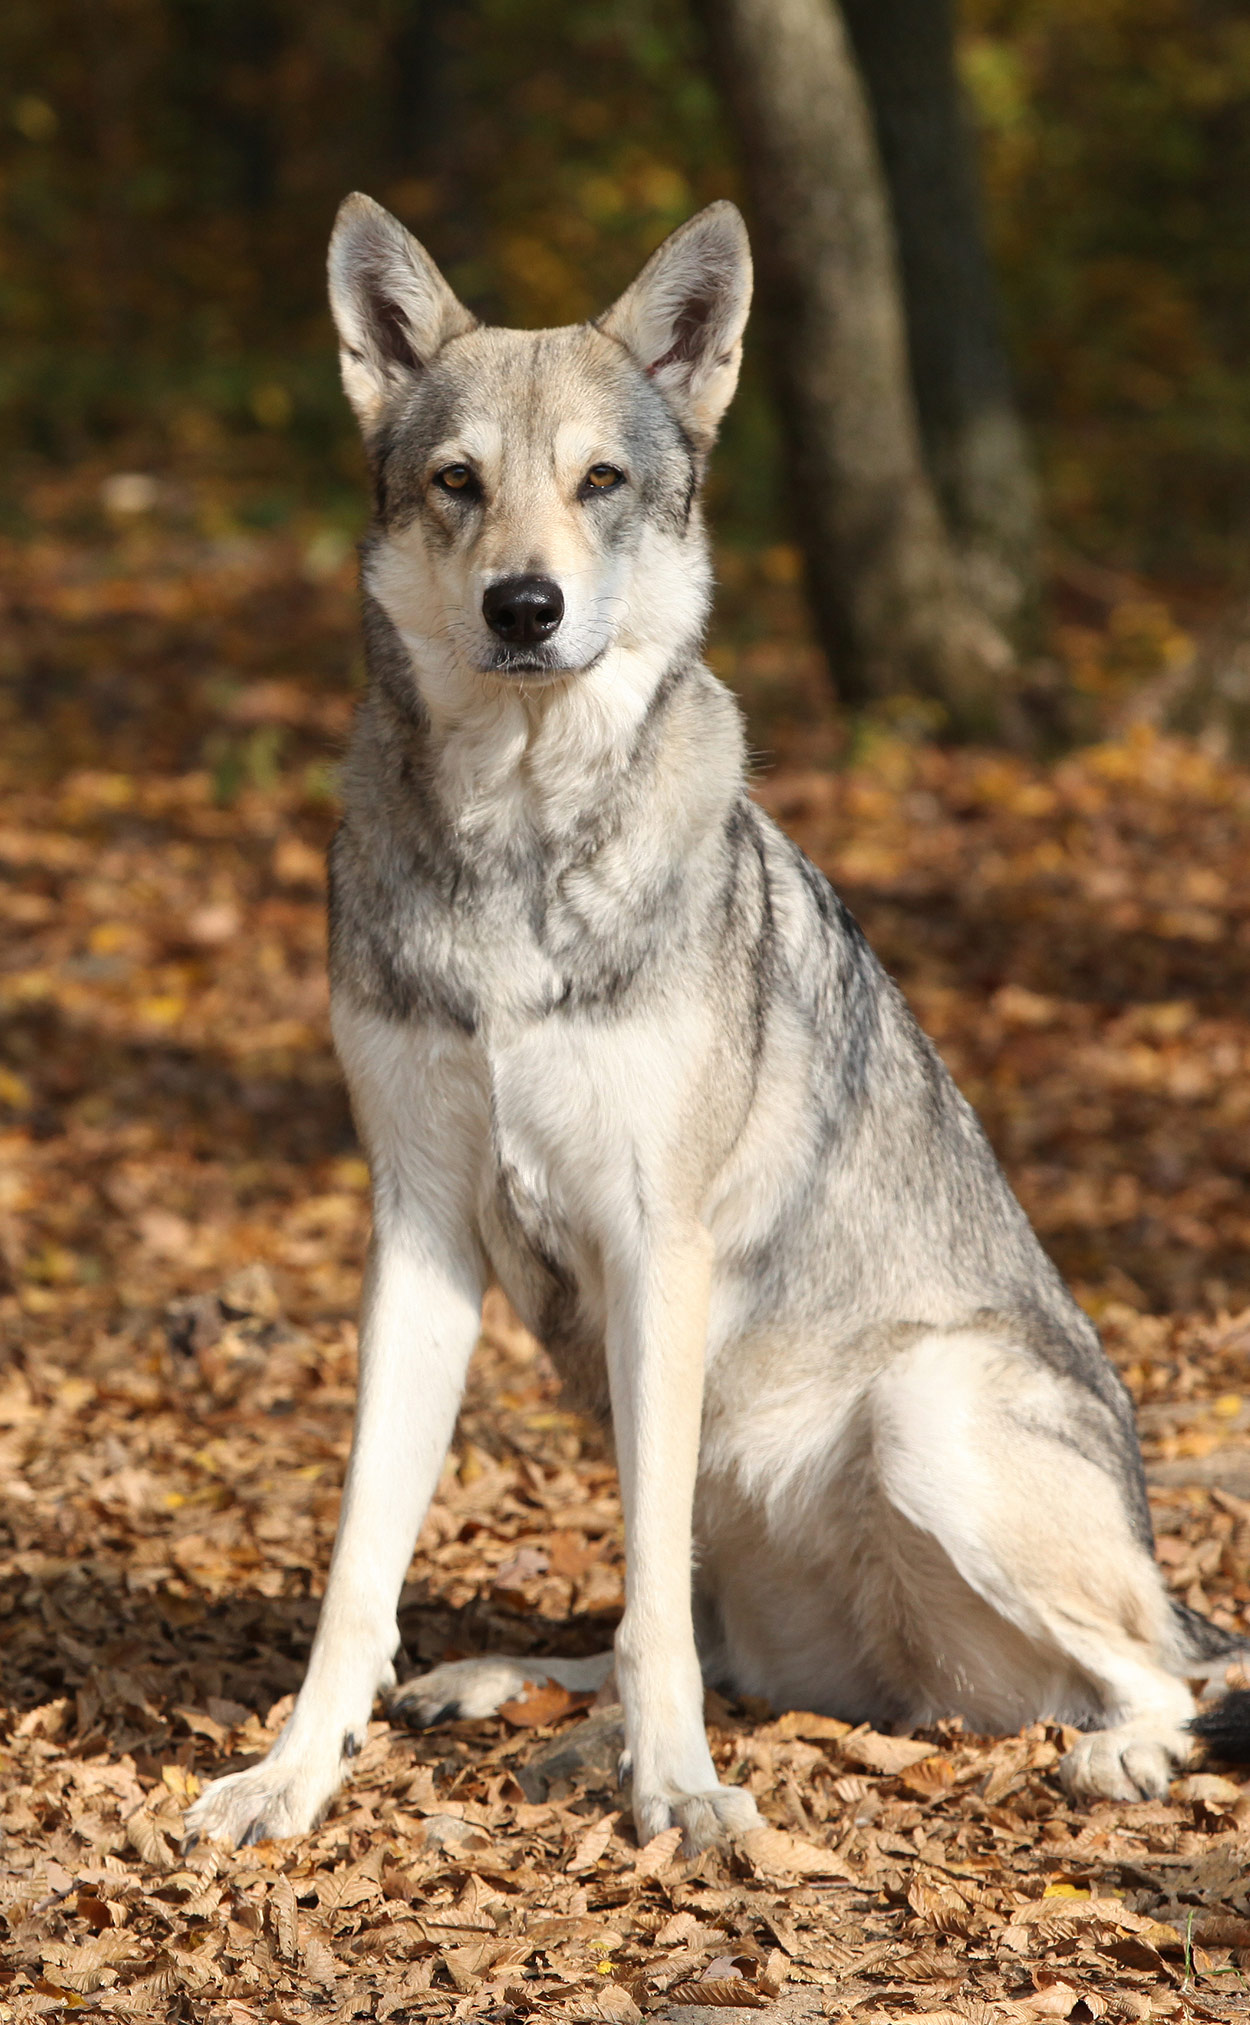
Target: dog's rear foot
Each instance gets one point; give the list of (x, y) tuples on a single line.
[(473, 1689), (1124, 1764), (462, 1689)]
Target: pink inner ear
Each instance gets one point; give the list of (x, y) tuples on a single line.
[(689, 327), (394, 339)]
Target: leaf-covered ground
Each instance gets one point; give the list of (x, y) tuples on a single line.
[(183, 1212)]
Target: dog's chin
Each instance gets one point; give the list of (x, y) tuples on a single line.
[(538, 670)]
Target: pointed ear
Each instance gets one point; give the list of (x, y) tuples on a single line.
[(684, 317), (392, 308)]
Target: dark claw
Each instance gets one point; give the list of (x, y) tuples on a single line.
[(410, 1713), (255, 1832), (190, 1842)]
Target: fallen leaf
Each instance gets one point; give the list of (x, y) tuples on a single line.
[(657, 1855), (719, 1994), (543, 1703), (815, 1729), (284, 1918), (774, 1853), (883, 1754), (593, 1844), (611, 2002), (319, 1963)]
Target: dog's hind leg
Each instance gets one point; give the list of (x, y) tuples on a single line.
[(1043, 1597)]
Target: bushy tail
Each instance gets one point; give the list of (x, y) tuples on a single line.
[(1225, 1729)]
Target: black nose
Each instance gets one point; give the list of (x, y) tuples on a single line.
[(523, 610)]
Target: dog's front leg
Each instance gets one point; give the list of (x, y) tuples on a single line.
[(656, 1344), (420, 1320)]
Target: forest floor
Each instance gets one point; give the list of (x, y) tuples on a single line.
[(183, 1215)]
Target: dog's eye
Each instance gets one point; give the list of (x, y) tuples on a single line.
[(456, 478), (604, 478)]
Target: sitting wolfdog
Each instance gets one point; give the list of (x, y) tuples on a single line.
[(613, 1041)]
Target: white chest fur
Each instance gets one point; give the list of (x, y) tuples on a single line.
[(580, 1126)]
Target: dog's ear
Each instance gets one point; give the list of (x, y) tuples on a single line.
[(684, 316), (392, 308)]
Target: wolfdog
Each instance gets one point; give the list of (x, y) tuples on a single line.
[(613, 1041)]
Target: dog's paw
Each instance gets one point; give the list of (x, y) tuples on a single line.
[(717, 1815), (263, 1804), (462, 1689), (1123, 1764)]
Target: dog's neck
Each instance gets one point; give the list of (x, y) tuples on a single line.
[(613, 791), (507, 760), (510, 763)]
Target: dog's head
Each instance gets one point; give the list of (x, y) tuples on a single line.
[(536, 489)]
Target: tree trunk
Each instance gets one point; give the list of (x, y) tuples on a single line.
[(882, 575), (974, 445)]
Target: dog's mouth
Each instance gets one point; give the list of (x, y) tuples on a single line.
[(535, 667)]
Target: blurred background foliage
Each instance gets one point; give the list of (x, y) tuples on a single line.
[(171, 168)]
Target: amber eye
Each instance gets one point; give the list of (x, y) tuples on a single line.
[(456, 478), (604, 477)]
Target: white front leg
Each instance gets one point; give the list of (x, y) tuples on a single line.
[(657, 1336), (421, 1116), (419, 1323)]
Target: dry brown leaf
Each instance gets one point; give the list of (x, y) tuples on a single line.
[(468, 1965), (98, 1912), (1216, 1931), (928, 1778), (1210, 1789), (774, 1973), (284, 1919), (940, 1907), (611, 2001), (719, 1993), (319, 1963), (682, 1930), (1053, 2000), (814, 1729), (1075, 1913), (145, 1837), (593, 1844), (774, 1853), (359, 1884), (411, 1984), (203, 1725), (88, 1958), (543, 1703), (657, 1855), (886, 1755)]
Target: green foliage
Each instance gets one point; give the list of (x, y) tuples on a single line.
[(169, 170), (1116, 155)]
